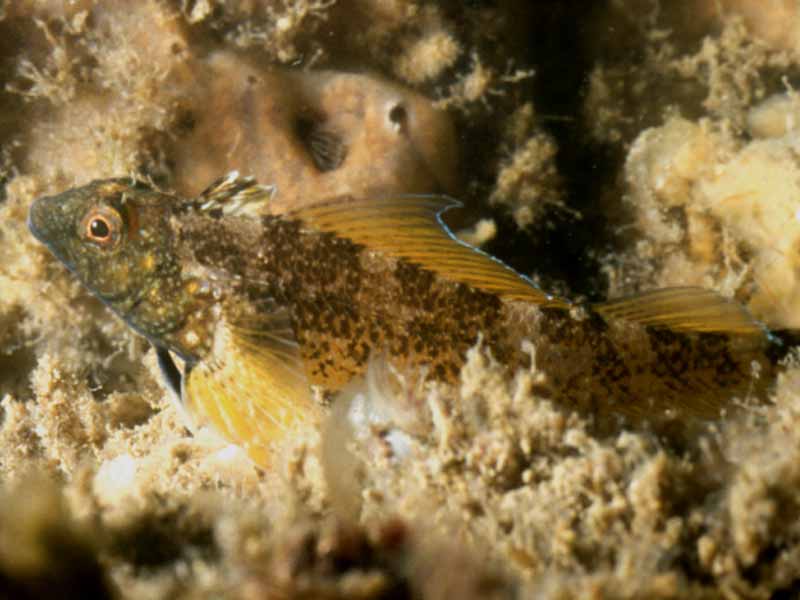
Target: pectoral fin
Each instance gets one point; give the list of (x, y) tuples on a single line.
[(253, 389), (685, 309), (410, 227)]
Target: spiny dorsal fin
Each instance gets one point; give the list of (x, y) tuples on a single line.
[(687, 309), (410, 227), (235, 195), (253, 388)]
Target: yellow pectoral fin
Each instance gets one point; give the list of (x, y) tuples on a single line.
[(254, 391), (410, 227), (685, 309)]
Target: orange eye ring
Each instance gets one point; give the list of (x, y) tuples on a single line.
[(102, 226)]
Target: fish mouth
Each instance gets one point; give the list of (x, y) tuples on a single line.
[(44, 225), (36, 220), (43, 219)]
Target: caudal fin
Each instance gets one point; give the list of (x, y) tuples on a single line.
[(784, 341)]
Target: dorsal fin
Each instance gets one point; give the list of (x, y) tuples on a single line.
[(410, 227), (235, 195), (686, 309), (253, 388)]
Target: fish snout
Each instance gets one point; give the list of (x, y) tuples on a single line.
[(46, 218), (37, 219)]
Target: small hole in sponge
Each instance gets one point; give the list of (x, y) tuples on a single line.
[(398, 117), (185, 121)]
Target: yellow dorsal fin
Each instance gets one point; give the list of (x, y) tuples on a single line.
[(410, 227), (687, 309), (252, 388)]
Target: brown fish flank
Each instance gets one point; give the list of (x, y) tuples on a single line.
[(346, 302), (262, 307)]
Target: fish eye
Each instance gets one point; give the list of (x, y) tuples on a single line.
[(99, 229), (102, 226)]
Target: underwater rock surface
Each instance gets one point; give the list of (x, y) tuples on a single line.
[(601, 147)]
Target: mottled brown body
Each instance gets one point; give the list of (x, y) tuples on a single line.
[(348, 304), (616, 367), (262, 307)]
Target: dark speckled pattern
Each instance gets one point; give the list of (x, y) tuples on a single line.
[(347, 304)]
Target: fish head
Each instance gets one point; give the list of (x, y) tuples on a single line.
[(112, 234)]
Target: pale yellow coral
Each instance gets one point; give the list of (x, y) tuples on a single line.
[(777, 22), (734, 199), (426, 57)]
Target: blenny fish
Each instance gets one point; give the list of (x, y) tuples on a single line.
[(258, 308)]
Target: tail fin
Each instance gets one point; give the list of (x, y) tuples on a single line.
[(783, 342)]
